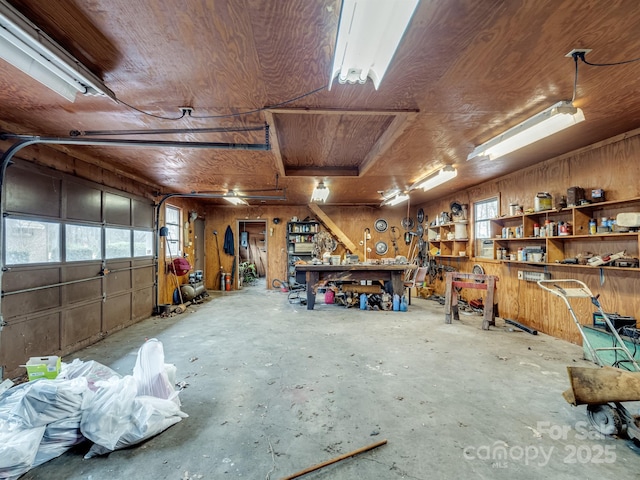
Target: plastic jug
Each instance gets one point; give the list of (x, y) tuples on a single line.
[(396, 302), (363, 301), (329, 297), (404, 306)]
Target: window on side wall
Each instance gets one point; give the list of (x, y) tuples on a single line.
[(173, 239), (483, 212)]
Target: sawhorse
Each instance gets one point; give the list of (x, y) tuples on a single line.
[(457, 280)]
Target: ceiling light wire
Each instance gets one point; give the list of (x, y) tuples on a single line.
[(229, 115), (624, 62), (575, 77)]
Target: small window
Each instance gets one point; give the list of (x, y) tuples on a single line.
[(117, 243), (83, 242), (483, 212), (31, 241), (142, 243), (172, 220)]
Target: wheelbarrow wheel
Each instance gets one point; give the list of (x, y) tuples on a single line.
[(605, 419)]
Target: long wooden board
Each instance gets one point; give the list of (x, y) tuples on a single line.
[(602, 385)]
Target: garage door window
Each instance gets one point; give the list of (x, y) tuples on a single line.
[(31, 241), (117, 243), (142, 243), (82, 242)]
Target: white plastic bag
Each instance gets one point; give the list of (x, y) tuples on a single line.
[(107, 413), (151, 374), (18, 448), (149, 417), (91, 370), (48, 401), (59, 437)]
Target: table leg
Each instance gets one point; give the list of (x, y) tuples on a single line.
[(312, 280), (447, 298), (397, 283)]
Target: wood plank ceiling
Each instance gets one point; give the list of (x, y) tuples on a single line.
[(465, 71)]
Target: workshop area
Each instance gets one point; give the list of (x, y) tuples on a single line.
[(321, 238), (270, 395)]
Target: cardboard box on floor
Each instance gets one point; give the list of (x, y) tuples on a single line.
[(43, 367)]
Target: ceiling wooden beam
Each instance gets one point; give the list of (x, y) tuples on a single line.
[(333, 228), (322, 171), (275, 144), (388, 138)]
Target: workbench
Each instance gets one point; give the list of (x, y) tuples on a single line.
[(347, 273)]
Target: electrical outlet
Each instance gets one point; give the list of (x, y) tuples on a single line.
[(520, 275), (584, 51)]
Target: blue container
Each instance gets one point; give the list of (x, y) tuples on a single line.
[(396, 302), (404, 306), (363, 301)]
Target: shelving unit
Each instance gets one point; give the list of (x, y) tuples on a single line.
[(300, 237), (520, 233), (443, 237)]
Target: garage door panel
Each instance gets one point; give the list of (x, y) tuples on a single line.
[(30, 337), (143, 277), (23, 278), (117, 311), (31, 192), (119, 278), (26, 303), (81, 323), (142, 214), (81, 291), (117, 209), (84, 202), (142, 303)]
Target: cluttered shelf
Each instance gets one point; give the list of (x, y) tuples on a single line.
[(572, 265)]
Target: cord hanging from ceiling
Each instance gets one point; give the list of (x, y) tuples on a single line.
[(188, 112)]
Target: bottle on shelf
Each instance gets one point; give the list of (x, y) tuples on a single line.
[(592, 227)]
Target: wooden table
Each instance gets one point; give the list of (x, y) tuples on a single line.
[(348, 273)]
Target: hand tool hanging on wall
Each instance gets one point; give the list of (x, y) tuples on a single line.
[(394, 239), (215, 234), (164, 232)]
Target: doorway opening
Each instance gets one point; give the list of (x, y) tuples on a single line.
[(252, 253)]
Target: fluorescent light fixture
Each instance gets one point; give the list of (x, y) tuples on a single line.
[(232, 197), (433, 180), (26, 47), (395, 200), (552, 120), (368, 36), (320, 193)]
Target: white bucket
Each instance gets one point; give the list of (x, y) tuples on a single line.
[(461, 230)]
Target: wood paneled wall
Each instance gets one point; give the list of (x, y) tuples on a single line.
[(166, 280), (351, 220), (612, 166)]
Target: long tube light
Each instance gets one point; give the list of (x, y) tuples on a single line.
[(433, 180), (26, 47), (552, 120), (368, 36), (396, 199)]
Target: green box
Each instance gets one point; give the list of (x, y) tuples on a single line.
[(43, 367)]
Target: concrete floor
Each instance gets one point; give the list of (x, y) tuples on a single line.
[(274, 388)]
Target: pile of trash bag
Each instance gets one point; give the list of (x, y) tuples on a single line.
[(42, 419)]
